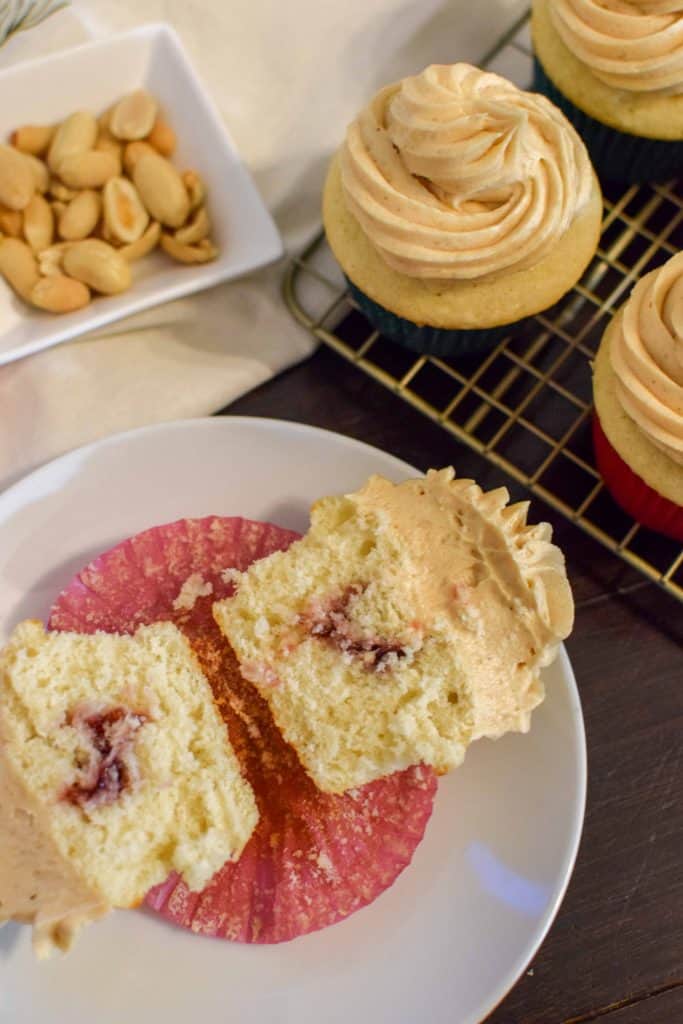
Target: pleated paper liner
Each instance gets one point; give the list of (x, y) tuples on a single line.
[(314, 858), (435, 341), (616, 156), (630, 491)]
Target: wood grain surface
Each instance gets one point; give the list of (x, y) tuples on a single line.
[(615, 951)]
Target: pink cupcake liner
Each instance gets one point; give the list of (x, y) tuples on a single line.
[(314, 858), (630, 491)]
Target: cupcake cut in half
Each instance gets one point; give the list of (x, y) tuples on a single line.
[(410, 620), (638, 392), (459, 205), (314, 858), (115, 769), (615, 67)]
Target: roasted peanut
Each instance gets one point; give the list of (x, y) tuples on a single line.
[(196, 228), (133, 116), (161, 190), (18, 266), (59, 294), (16, 179), (41, 175), (50, 260), (80, 217), (98, 265), (104, 119), (11, 222), (124, 215), (60, 191), (38, 223), (162, 136), (103, 232), (203, 252), (75, 135), (108, 144), (89, 170), (144, 244), (132, 153), (33, 138), (195, 188)]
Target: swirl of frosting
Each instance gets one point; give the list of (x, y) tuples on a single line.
[(635, 45), (647, 357), (457, 173)]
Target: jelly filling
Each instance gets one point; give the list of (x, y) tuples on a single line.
[(334, 625), (111, 767)]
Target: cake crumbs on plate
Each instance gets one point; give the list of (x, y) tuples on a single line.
[(193, 588)]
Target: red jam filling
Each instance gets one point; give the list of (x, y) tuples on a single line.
[(111, 768), (333, 624)]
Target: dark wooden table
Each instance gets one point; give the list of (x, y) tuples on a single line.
[(615, 951)]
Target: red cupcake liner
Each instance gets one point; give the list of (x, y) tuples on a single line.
[(314, 858), (630, 491)]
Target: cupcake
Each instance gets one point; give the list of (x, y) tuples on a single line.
[(458, 206), (615, 67), (411, 620), (115, 768), (638, 389)]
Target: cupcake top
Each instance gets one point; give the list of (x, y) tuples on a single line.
[(647, 357), (457, 173), (636, 45)]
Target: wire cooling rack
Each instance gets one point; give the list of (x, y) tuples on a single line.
[(526, 405)]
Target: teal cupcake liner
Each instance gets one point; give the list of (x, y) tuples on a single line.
[(616, 156), (434, 341)]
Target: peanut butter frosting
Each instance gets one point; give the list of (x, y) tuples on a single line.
[(456, 173), (636, 45), (38, 885), (647, 357), (496, 584)]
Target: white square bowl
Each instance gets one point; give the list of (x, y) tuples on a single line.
[(92, 77)]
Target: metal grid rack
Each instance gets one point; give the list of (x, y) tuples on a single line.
[(526, 405)]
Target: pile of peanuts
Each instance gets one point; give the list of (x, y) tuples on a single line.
[(82, 200)]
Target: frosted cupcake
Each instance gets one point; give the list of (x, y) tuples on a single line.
[(615, 67), (410, 621), (638, 390), (457, 206)]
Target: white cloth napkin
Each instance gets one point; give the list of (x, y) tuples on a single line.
[(287, 77)]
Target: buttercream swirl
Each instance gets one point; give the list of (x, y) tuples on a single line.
[(457, 173), (635, 45), (647, 357)]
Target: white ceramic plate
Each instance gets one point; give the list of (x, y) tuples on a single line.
[(92, 77), (450, 937)]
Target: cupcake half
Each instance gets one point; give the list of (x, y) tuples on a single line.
[(458, 206), (411, 620), (615, 67), (638, 390)]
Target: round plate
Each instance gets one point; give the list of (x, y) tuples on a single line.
[(450, 937)]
